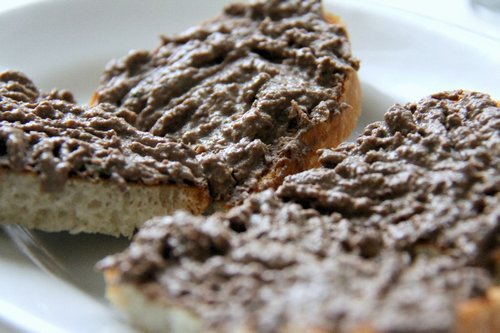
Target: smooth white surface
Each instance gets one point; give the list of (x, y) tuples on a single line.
[(10, 4), (462, 13), (34, 301), (66, 44)]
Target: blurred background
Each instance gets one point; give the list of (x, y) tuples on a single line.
[(478, 15)]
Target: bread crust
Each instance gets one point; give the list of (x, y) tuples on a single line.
[(328, 134), (92, 206), (480, 314)]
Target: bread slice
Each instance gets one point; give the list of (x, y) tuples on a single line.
[(92, 207), (397, 232), (478, 315), (225, 109), (288, 122), (255, 91), (71, 168)]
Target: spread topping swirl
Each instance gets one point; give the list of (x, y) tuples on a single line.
[(55, 138)]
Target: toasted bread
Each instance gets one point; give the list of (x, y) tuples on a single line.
[(255, 91), (397, 232), (70, 168), (288, 102)]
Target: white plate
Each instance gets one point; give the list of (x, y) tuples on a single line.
[(66, 44)]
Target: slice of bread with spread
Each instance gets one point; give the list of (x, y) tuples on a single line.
[(80, 169), (397, 232), (222, 110), (255, 92)]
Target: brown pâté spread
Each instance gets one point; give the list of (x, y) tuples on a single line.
[(239, 89), (52, 136), (392, 232)]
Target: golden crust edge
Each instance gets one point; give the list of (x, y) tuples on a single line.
[(327, 134)]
